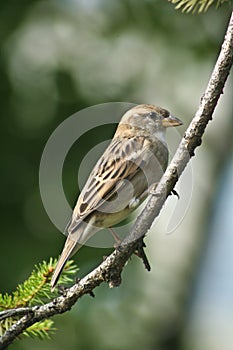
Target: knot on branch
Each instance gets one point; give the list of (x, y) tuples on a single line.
[(113, 276)]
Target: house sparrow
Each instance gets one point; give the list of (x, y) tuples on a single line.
[(135, 159)]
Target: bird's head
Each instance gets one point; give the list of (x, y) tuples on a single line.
[(147, 119)]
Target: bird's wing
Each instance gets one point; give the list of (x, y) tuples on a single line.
[(122, 160)]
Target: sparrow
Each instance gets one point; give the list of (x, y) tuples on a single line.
[(121, 180)]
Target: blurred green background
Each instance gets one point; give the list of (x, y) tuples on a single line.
[(58, 57)]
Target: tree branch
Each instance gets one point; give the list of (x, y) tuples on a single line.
[(14, 312), (110, 269)]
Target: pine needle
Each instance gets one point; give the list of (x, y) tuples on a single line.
[(196, 5), (35, 290)]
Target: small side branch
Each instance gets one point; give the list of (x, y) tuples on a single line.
[(14, 312)]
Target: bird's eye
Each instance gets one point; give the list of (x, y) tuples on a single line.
[(152, 115)]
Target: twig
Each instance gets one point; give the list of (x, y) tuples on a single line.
[(110, 270), (14, 312)]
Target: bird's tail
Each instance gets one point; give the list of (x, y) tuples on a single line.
[(71, 247), (76, 239)]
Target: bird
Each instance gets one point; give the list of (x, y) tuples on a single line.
[(121, 180)]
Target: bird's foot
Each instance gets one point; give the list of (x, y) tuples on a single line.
[(152, 189)]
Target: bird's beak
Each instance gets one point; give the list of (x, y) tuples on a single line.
[(171, 121)]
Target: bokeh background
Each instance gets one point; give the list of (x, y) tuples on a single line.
[(58, 57)]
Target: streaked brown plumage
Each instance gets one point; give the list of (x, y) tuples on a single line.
[(135, 159)]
